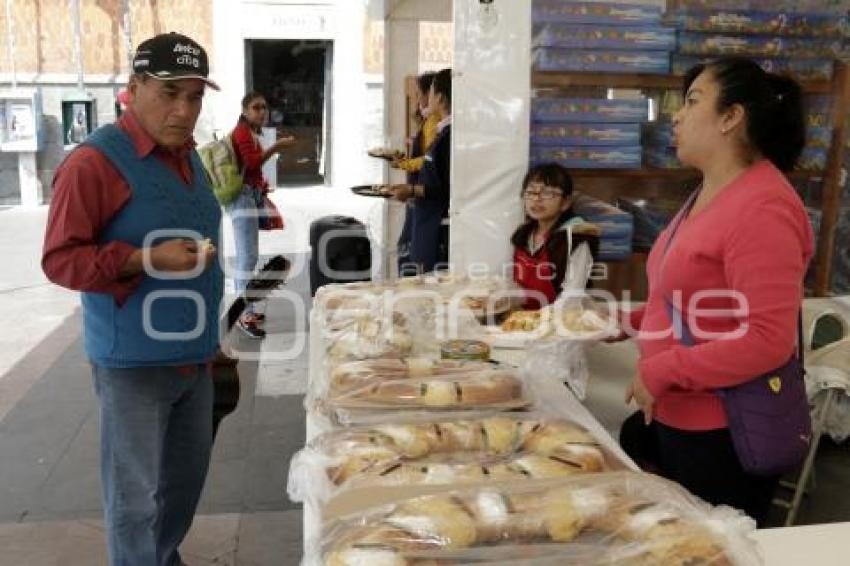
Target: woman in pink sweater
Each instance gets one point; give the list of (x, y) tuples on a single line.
[(734, 270)]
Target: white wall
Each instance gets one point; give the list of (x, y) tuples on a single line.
[(490, 131), (341, 21)]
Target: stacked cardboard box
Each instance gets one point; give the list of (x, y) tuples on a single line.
[(600, 37), (587, 132), (803, 44)]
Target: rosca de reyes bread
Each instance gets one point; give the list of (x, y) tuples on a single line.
[(494, 448), (609, 523), (352, 375), (486, 388), (364, 335)]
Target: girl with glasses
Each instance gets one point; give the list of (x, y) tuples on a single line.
[(541, 244)]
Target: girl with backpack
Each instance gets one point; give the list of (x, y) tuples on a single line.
[(244, 210)]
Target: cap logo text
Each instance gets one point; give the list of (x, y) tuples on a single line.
[(181, 48), (188, 60)]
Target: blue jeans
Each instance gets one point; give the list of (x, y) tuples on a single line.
[(246, 235), (155, 443)]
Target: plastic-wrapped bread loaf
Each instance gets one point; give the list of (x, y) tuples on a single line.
[(364, 335), (501, 447), (352, 375), (475, 389), (618, 518)]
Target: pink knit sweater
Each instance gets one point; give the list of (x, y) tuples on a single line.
[(755, 240)]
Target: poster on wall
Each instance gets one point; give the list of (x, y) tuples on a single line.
[(20, 125), (20, 120), (78, 129)]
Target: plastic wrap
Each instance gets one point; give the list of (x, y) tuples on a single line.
[(354, 375), (819, 381), (829, 368), (368, 333), (604, 37), (409, 452), (600, 60), (592, 519), (563, 360), (411, 318), (570, 320), (697, 43), (477, 389), (559, 11), (778, 22)]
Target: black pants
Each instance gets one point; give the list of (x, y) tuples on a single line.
[(704, 462)]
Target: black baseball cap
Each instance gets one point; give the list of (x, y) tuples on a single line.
[(172, 56)]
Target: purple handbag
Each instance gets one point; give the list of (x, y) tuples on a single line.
[(768, 416)]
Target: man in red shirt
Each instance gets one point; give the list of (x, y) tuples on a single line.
[(134, 225)]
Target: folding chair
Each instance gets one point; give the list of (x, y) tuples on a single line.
[(828, 377)]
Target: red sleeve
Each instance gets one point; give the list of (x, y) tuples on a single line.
[(249, 152), (87, 193), (764, 260)]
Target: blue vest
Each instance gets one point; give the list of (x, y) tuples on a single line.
[(165, 321)]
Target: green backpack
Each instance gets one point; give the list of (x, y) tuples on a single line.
[(222, 168)]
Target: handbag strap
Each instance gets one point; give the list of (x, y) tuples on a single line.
[(680, 217), (680, 327), (683, 333), (236, 153)]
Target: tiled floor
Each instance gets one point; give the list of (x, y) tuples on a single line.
[(252, 539), (49, 484)]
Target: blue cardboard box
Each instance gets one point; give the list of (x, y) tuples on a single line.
[(699, 43), (559, 11), (818, 69), (780, 22), (553, 133), (587, 157), (589, 110), (602, 61), (577, 36)]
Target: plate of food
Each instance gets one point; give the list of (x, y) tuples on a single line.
[(381, 191), (487, 309), (550, 323), (385, 153)]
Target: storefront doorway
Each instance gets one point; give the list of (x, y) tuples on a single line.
[(295, 77)]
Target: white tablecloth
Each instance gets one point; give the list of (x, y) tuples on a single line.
[(809, 545), (815, 545)]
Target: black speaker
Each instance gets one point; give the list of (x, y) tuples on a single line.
[(341, 251)]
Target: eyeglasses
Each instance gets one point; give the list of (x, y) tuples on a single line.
[(544, 194)]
